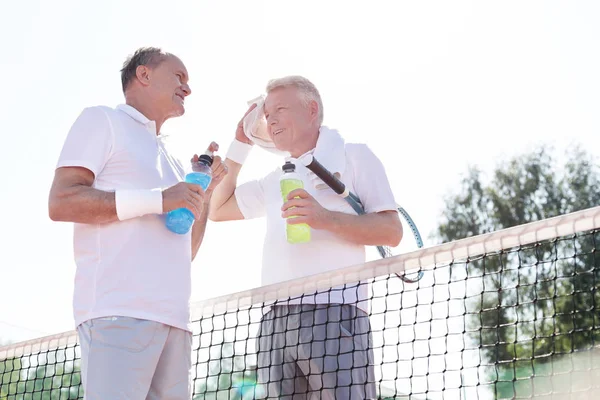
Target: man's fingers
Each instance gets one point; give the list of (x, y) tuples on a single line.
[(213, 146), (303, 194), (194, 209), (298, 220), (294, 211), (192, 187), (198, 198), (252, 107), (219, 177), (302, 203), (217, 164), (221, 170), (195, 204), (195, 199)]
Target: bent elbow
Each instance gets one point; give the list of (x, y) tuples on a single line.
[(395, 240), (54, 211), (56, 208), (214, 216), (396, 236)]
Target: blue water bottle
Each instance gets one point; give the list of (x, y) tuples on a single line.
[(181, 220)]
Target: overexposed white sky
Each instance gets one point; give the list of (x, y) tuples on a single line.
[(432, 87)]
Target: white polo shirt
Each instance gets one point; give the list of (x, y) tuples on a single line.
[(365, 176), (137, 267)]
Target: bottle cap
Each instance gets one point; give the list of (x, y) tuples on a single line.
[(207, 158), (288, 167)]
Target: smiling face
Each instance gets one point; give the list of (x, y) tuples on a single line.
[(292, 124), (168, 87)]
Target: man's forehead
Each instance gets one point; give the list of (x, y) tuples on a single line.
[(281, 94), (176, 63)]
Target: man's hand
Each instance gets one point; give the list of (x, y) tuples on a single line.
[(184, 195), (218, 167), (219, 171), (239, 132), (306, 210), (373, 229)]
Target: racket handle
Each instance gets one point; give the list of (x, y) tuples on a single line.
[(334, 183)]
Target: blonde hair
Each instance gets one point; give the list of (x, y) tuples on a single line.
[(308, 91)]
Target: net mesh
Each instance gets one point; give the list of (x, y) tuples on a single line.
[(511, 314)]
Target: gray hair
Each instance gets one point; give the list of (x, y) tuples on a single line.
[(149, 56), (307, 89)]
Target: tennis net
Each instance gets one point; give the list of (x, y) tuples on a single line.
[(509, 314)]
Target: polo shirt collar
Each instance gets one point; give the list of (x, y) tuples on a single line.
[(139, 117)]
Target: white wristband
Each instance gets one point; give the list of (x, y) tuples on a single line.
[(238, 151), (135, 203)]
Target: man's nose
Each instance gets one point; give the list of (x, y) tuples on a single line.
[(186, 89)]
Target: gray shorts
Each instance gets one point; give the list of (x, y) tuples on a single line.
[(309, 352), (134, 359)]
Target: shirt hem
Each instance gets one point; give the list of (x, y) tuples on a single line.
[(187, 326), (77, 163), (362, 304), (393, 207)]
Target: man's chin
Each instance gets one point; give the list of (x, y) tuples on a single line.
[(284, 150), (178, 112), (278, 145)]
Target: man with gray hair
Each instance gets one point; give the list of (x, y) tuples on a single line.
[(317, 346), (115, 180)]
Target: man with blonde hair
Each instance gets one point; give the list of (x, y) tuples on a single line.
[(317, 346)]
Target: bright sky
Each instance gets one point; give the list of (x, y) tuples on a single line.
[(432, 87)]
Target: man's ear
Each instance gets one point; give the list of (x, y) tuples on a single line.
[(142, 73), (313, 108)]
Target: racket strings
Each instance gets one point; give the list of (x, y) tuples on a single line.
[(386, 251)]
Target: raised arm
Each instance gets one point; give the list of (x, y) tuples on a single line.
[(223, 205)]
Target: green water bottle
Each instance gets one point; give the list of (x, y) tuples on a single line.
[(291, 180)]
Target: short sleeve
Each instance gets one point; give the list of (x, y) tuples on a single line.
[(370, 179), (89, 142), (250, 197)]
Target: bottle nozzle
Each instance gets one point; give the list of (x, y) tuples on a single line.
[(206, 158), (288, 167)]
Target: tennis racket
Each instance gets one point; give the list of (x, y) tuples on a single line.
[(338, 187)]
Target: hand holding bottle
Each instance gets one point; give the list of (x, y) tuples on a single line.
[(218, 167), (297, 230), (181, 220), (302, 208), (184, 195)]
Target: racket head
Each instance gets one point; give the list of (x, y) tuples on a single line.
[(411, 241)]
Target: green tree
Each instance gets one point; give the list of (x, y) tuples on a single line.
[(532, 302)]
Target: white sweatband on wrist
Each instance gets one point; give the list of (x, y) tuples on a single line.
[(238, 151), (135, 203)]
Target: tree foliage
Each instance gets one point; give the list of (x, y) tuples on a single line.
[(532, 303)]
